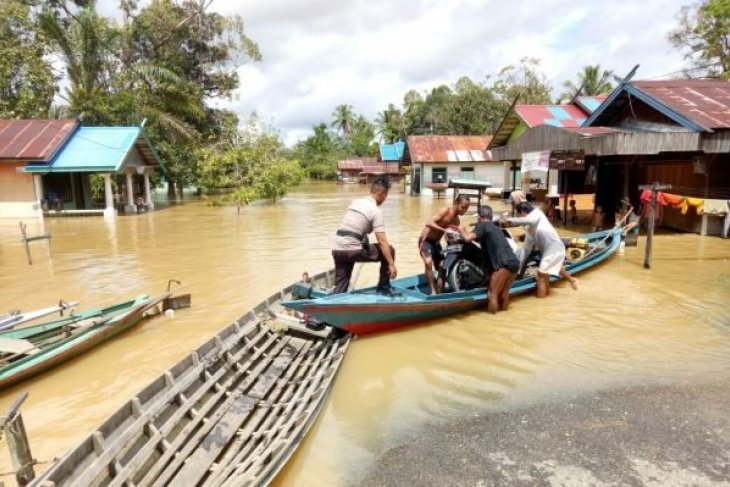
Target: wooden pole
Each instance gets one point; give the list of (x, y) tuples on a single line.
[(652, 212), (17, 440)]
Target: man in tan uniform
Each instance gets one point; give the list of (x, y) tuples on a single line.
[(362, 217)]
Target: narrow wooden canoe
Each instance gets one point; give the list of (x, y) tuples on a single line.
[(27, 351), (365, 311), (229, 414), (11, 320)]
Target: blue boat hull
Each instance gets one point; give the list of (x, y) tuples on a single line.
[(365, 311)]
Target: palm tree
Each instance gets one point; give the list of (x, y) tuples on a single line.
[(344, 119), (389, 124), (592, 81), (96, 74)]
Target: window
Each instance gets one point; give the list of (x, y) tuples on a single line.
[(467, 173), (438, 175)]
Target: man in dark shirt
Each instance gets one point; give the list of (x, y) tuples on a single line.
[(500, 261)]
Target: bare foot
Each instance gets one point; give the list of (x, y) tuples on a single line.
[(573, 283)]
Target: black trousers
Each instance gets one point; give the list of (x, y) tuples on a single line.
[(345, 263)]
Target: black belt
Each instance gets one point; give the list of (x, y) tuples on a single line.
[(349, 233)]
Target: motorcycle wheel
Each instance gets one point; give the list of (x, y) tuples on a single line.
[(452, 277)]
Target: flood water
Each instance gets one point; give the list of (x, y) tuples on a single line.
[(624, 326)]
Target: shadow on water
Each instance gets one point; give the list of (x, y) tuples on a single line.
[(625, 325)]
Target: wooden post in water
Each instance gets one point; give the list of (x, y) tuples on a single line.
[(14, 429), (655, 188), (26, 240)]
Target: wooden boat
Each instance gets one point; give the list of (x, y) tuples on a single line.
[(27, 351), (365, 311), (17, 318), (231, 413)]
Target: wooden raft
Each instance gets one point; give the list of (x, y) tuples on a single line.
[(231, 413)]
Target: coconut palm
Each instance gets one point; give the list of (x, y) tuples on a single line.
[(344, 119), (592, 81), (98, 79), (389, 124)]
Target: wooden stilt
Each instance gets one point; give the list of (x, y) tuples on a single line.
[(14, 429), (655, 188), (26, 240)]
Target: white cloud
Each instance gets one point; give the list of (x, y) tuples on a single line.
[(318, 54)]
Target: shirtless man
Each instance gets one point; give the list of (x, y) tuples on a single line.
[(429, 244)]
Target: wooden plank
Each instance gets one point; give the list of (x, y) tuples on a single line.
[(264, 417), (226, 461), (112, 447), (182, 436), (220, 436), (17, 346), (192, 443)]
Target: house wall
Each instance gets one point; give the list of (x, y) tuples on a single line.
[(684, 182), (17, 194), (493, 172)]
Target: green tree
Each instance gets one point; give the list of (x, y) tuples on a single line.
[(318, 154), (389, 124), (343, 120), (592, 81), (704, 36), (27, 84), (524, 81), (361, 141)]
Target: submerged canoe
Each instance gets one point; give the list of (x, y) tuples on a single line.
[(27, 351), (365, 311), (231, 413)]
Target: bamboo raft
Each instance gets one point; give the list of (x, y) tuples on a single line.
[(231, 413)]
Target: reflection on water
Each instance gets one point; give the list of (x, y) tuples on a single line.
[(625, 325)]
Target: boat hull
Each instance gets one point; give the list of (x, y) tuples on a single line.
[(121, 319), (364, 312)]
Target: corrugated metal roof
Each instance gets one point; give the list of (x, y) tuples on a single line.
[(99, 149), (381, 168), (355, 164), (589, 104), (392, 152), (706, 102), (555, 115), (33, 140), (444, 148)]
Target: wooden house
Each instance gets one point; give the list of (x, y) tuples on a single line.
[(671, 131)]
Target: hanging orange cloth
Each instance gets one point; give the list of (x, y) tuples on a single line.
[(676, 201), (697, 203)]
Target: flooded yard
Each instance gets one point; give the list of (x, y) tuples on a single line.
[(624, 326)]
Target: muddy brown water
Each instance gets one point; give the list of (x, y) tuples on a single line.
[(624, 326)]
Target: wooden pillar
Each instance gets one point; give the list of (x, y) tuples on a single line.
[(17, 440), (148, 192), (130, 207), (38, 185), (655, 188), (109, 210)]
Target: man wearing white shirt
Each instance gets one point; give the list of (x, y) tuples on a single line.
[(364, 216), (543, 236)]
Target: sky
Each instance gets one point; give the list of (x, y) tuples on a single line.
[(318, 54)]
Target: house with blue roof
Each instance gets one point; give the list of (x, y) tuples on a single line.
[(90, 170)]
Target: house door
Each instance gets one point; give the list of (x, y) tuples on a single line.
[(416, 184)]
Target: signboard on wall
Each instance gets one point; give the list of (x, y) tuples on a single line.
[(535, 161), (568, 160)]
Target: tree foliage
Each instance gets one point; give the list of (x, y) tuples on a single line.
[(704, 36), (27, 84), (592, 81), (255, 166)]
